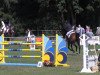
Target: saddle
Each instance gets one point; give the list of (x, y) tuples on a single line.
[(69, 33)]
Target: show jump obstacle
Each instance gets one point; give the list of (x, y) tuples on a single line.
[(58, 56), (61, 52), (89, 61)]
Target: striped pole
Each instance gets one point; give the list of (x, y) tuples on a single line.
[(13, 43), (19, 56), (36, 50), (18, 64), (20, 42)]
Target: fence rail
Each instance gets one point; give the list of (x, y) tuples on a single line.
[(46, 32)]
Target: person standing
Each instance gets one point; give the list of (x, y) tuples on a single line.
[(99, 62), (28, 35), (80, 30), (89, 31)]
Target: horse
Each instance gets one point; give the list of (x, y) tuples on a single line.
[(72, 37)]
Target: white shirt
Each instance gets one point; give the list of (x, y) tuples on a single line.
[(3, 25), (29, 34)]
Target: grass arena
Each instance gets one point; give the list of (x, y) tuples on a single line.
[(21, 54)]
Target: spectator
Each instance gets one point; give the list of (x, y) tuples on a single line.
[(80, 30), (89, 31), (28, 35)]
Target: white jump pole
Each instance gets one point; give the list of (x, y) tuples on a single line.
[(85, 68)]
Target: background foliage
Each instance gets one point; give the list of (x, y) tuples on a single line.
[(49, 14)]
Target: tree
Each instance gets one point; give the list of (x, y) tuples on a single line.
[(6, 9), (50, 14), (90, 14)]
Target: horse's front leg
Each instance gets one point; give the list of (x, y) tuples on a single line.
[(68, 46), (79, 47), (72, 48)]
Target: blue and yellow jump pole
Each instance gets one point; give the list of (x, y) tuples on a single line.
[(47, 49), (61, 52), (2, 60)]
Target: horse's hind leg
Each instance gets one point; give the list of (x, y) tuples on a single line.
[(79, 48), (75, 47), (70, 47)]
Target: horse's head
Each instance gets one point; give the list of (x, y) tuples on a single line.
[(63, 32), (65, 28)]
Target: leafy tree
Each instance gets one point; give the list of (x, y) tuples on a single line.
[(49, 14), (90, 14), (6, 12)]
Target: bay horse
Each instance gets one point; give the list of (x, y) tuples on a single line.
[(72, 37)]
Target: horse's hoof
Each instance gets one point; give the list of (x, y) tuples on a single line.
[(77, 53), (73, 51)]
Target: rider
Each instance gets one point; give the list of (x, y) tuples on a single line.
[(80, 30)]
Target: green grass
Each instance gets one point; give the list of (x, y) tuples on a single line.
[(74, 60)]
